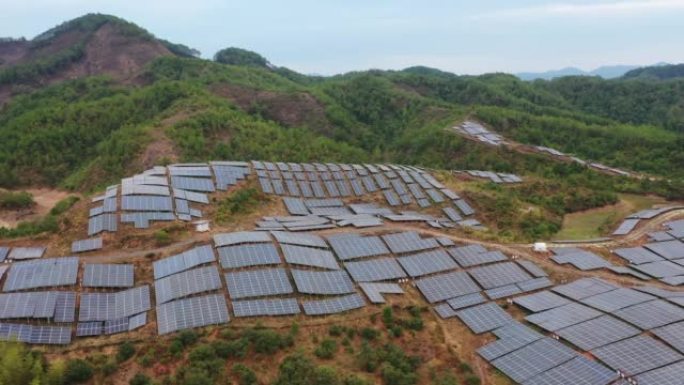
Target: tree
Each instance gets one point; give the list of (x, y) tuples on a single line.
[(241, 57)]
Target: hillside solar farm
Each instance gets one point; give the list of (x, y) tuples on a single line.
[(343, 239)]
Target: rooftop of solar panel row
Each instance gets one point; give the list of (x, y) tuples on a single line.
[(308, 256), (541, 301), (333, 305), (186, 260), (380, 269), (563, 316), (266, 307), (485, 317), (534, 359), (616, 299), (228, 239), (258, 283), (86, 245), (22, 253), (583, 260), (427, 262), (579, 370), (499, 274), (191, 313), (597, 332), (660, 269), (444, 286), (408, 241), (35, 334), (637, 355), (353, 246), (669, 249), (233, 257), (637, 255), (112, 306), (322, 282), (651, 314), (42, 273), (189, 282), (584, 287), (108, 275)]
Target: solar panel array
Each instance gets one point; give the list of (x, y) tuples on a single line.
[(258, 283), (581, 259), (184, 261), (353, 246), (42, 273), (500, 274), (334, 305), (189, 282), (637, 355), (375, 290), (35, 334), (266, 307), (308, 256), (23, 253), (407, 242), (108, 275), (86, 245), (259, 254), (113, 306), (427, 262), (191, 313), (323, 282), (484, 318)]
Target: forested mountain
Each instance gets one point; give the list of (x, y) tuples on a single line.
[(74, 118), (657, 72)]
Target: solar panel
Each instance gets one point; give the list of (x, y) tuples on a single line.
[(186, 260), (112, 306), (445, 311), (86, 245), (391, 197), (266, 307), (192, 312), (660, 269), (444, 286), (637, 255), (669, 249), (141, 220), (512, 336), (652, 314), (500, 274), (22, 253), (375, 290), (186, 283), (672, 334), (89, 329), (234, 257), (38, 305), (353, 246), (466, 300), (3, 253), (190, 196), (228, 239), (541, 301), (533, 359), (334, 305), (503, 292), (582, 260), (100, 223), (35, 334), (307, 256), (42, 273), (616, 299), (667, 375), (427, 262), (435, 195), (484, 318), (257, 283), (597, 332), (464, 207), (193, 184), (146, 203), (584, 287), (579, 370), (380, 269), (408, 241), (299, 239), (323, 282), (532, 268), (474, 255), (626, 227), (636, 355), (115, 326), (563, 316), (108, 275), (295, 206), (137, 321)]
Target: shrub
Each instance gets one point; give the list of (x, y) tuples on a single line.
[(326, 350), (162, 237), (77, 371), (369, 334), (336, 330), (126, 351), (140, 379), (245, 375), (472, 380), (231, 349), (16, 200)]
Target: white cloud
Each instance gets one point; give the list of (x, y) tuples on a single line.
[(598, 9)]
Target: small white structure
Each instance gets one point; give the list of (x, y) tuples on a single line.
[(540, 247), (201, 226)]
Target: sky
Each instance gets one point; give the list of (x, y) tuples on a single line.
[(334, 36)]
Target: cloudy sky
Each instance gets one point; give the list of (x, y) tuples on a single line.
[(334, 36)]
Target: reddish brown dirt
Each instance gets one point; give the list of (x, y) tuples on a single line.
[(45, 200)]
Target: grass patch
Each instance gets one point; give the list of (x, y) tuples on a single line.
[(599, 222), (240, 202)]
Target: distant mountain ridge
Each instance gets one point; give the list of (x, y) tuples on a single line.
[(662, 72), (605, 72)]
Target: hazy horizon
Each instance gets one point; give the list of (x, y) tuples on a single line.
[(336, 37)]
